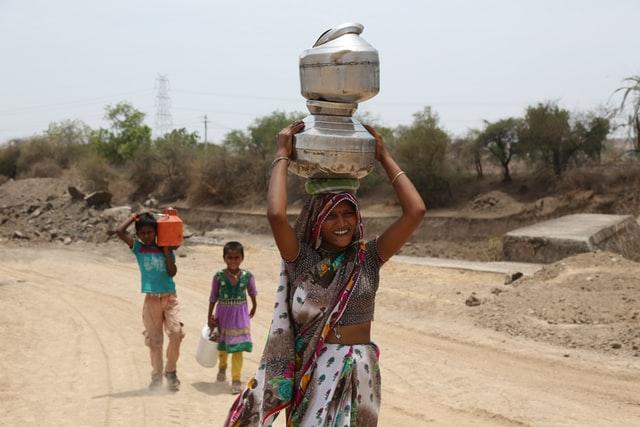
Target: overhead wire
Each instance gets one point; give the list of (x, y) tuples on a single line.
[(68, 103)]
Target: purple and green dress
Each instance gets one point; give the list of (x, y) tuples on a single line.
[(232, 312)]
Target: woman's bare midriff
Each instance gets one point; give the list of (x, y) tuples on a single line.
[(359, 333)]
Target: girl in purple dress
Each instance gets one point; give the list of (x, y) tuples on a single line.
[(229, 290)]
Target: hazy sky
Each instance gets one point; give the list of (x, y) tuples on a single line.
[(237, 60)]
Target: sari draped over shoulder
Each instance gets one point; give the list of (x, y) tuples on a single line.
[(306, 310)]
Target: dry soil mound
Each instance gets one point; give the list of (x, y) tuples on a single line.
[(588, 300), (494, 203), (41, 209)]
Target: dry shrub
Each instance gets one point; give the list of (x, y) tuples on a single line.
[(121, 188), (9, 155), (46, 168), (220, 179), (143, 176), (600, 178), (494, 249), (173, 188), (95, 172), (373, 183)]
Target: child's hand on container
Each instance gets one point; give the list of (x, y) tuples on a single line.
[(212, 323)]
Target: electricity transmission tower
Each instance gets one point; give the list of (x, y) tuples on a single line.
[(164, 122)]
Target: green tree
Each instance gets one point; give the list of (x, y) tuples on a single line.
[(631, 101), (590, 134), (255, 147), (260, 138), (69, 132), (70, 140), (173, 150), (421, 150), (545, 135), (127, 135), (501, 139)]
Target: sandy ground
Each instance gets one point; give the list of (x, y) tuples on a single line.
[(73, 353)]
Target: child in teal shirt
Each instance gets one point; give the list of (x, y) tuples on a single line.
[(161, 308)]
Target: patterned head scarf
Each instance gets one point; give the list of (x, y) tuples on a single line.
[(315, 211)]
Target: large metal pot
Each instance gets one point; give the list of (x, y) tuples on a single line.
[(333, 147), (340, 67)]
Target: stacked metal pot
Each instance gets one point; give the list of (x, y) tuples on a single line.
[(338, 72)]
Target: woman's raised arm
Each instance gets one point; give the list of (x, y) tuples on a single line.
[(283, 233), (412, 205)]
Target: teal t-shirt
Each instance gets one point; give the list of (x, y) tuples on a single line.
[(153, 270)]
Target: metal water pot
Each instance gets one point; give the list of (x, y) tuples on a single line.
[(340, 67), (340, 70)]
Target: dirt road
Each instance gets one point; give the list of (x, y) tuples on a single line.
[(72, 351)]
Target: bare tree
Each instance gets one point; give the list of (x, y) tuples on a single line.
[(631, 100)]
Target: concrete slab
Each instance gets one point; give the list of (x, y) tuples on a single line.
[(528, 269), (550, 241)]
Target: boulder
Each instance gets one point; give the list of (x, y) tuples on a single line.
[(76, 195), (117, 213), (98, 199)]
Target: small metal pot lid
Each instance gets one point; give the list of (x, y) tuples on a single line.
[(340, 30)]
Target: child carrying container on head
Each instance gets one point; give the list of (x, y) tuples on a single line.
[(229, 290), (161, 308)]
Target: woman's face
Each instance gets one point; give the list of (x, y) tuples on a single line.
[(339, 227)]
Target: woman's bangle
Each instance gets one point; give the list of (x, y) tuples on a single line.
[(396, 176), (277, 159)]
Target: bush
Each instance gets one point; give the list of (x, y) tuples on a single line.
[(32, 151), (422, 149), (143, 177), (173, 157), (47, 168), (220, 176), (95, 172), (9, 155)]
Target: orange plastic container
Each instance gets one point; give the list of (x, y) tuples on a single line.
[(170, 228)]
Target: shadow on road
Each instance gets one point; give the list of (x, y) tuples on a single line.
[(212, 389), (136, 393)]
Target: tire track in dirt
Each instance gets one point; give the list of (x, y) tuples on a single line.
[(28, 276), (78, 293)]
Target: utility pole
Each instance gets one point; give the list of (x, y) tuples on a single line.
[(164, 122), (205, 128)]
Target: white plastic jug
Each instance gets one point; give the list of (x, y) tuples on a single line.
[(207, 352)]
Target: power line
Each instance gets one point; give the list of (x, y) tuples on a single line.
[(68, 103), (240, 95)]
